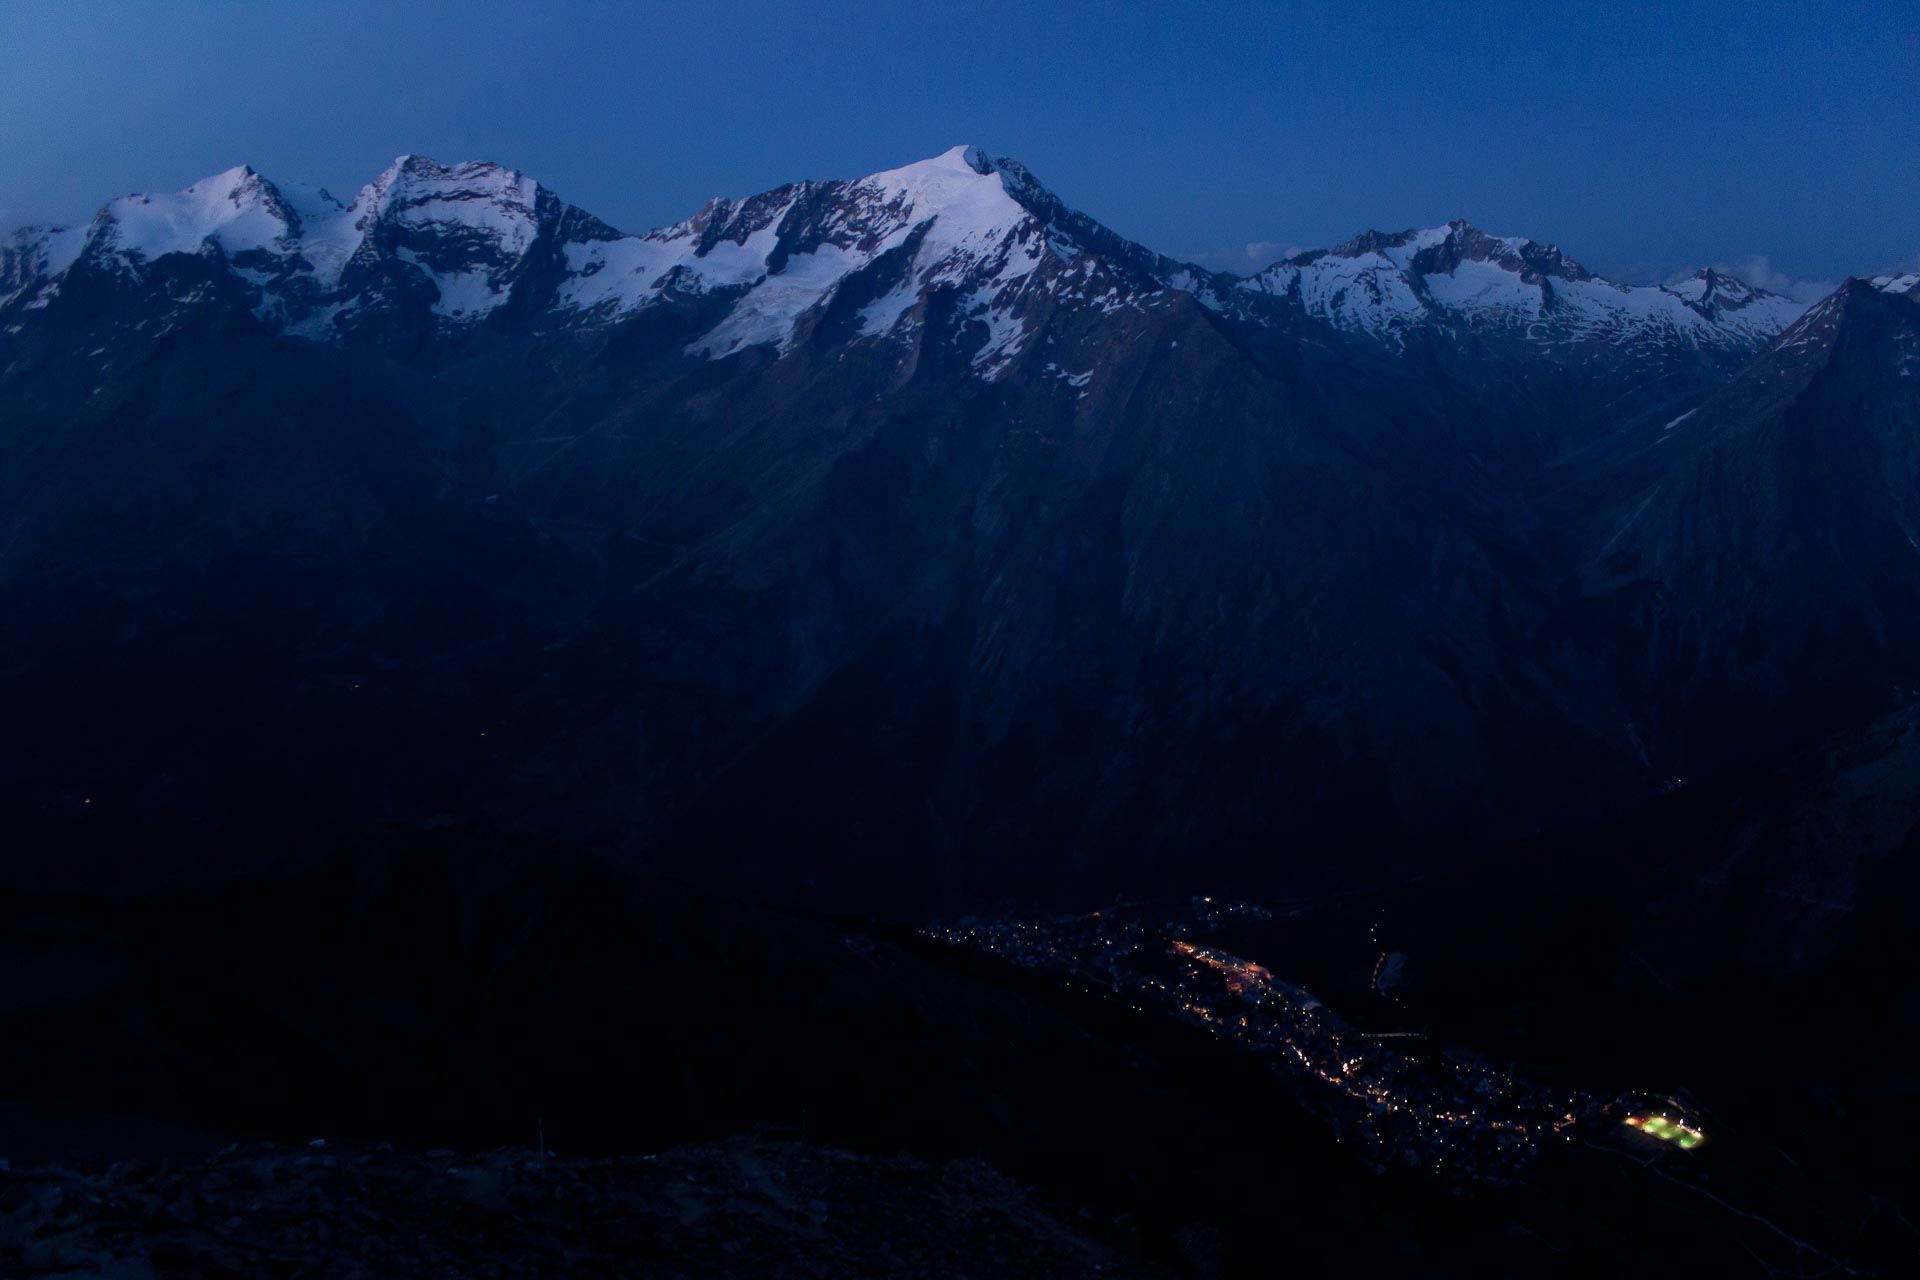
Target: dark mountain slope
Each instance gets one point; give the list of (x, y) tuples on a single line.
[(905, 532), (1771, 572)]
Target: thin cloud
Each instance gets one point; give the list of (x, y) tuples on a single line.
[(1264, 253), (1246, 259), (16, 220), (1759, 272)]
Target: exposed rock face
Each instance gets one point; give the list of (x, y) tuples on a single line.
[(1773, 568), (1458, 277)]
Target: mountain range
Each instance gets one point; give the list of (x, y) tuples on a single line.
[(916, 533)]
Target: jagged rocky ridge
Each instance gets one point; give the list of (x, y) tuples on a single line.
[(1388, 285), (461, 239)]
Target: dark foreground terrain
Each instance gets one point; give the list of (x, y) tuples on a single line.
[(452, 990), (741, 1208)]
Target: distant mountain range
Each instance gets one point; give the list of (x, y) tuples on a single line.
[(462, 241), (916, 532)]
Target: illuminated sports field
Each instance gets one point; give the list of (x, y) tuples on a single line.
[(1683, 1136)]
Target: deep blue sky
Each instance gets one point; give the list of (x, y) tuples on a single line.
[(1642, 138)]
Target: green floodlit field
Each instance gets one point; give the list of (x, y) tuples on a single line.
[(1682, 1136)]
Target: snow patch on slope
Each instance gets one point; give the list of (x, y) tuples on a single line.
[(632, 271), (773, 307)]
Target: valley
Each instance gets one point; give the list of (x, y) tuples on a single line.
[(475, 677)]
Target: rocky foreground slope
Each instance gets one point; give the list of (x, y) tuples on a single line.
[(742, 1208)]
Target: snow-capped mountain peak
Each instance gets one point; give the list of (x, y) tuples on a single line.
[(1443, 248), (962, 221), (32, 258), (1386, 286), (466, 227), (477, 193), (461, 231), (959, 184), (449, 245), (965, 156), (237, 210)]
